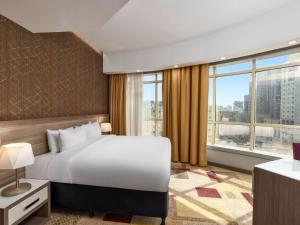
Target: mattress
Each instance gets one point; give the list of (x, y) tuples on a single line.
[(128, 162)]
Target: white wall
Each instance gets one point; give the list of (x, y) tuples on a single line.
[(269, 31), (237, 159)]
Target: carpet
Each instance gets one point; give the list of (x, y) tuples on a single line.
[(198, 196)]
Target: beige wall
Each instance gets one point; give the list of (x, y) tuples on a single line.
[(48, 75)]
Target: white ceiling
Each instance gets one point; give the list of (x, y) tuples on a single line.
[(60, 15), (269, 31), (152, 34), (150, 23), (112, 25)]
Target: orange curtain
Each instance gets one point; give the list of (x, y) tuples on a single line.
[(117, 103), (185, 105)]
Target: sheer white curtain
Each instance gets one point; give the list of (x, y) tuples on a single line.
[(134, 104)]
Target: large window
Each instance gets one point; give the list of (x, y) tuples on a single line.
[(153, 108), (254, 104)]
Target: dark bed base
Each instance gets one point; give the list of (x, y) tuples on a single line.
[(110, 200)]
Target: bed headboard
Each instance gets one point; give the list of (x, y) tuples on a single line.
[(33, 131)]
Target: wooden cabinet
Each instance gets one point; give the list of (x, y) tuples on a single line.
[(277, 193)]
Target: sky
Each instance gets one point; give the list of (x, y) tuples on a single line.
[(149, 89), (233, 88), (149, 92)]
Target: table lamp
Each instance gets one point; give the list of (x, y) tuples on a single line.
[(12, 157), (105, 128)]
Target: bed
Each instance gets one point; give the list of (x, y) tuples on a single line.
[(115, 174)]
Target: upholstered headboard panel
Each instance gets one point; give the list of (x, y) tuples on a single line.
[(33, 131)]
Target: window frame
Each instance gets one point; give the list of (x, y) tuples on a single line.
[(253, 79), (156, 81)]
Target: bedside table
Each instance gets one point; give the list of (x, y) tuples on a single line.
[(14, 210)]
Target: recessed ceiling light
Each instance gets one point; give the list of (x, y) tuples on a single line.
[(138, 71), (176, 66), (292, 42), (223, 58)]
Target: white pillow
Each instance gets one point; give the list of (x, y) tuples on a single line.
[(53, 140), (93, 130), (72, 138)]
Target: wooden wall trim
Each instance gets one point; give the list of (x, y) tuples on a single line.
[(34, 131), (52, 120)]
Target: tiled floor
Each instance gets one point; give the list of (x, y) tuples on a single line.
[(198, 196)]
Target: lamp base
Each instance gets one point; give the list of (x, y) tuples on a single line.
[(13, 190)]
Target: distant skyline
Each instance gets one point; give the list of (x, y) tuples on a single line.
[(234, 88)]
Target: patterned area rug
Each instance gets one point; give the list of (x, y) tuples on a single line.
[(198, 196)]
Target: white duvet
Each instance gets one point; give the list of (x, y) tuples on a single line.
[(138, 163)]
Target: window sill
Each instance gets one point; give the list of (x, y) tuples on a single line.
[(254, 153)]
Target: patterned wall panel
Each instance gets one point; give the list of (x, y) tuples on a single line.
[(48, 75)]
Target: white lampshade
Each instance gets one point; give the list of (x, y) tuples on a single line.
[(105, 127), (16, 155)]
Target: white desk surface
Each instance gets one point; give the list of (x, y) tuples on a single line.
[(7, 201), (286, 167)]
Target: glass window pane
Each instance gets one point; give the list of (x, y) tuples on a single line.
[(152, 116), (160, 103), (149, 77), (160, 110), (159, 76), (149, 127), (210, 99), (149, 109), (276, 140), (233, 98), (277, 96), (233, 67), (279, 59), (149, 101), (160, 127), (209, 133), (211, 70), (233, 135)]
